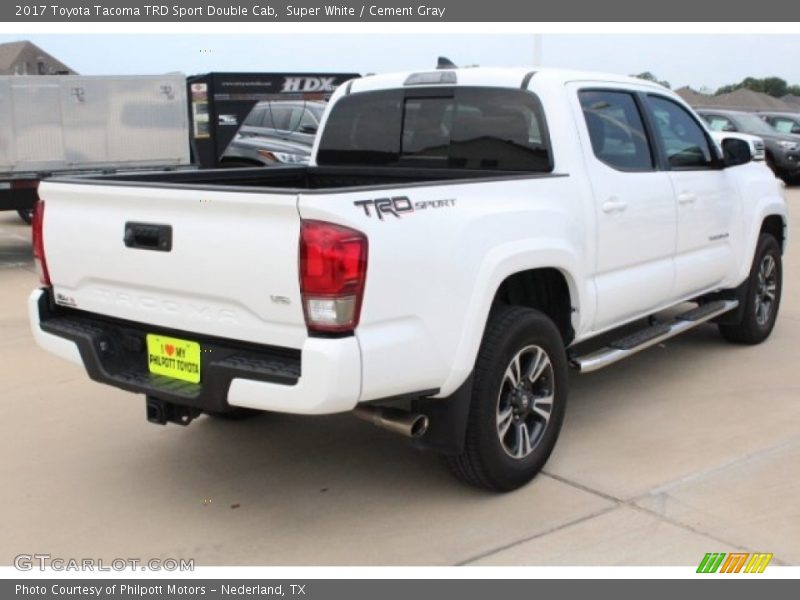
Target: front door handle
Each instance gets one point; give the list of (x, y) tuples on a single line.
[(686, 198), (614, 205)]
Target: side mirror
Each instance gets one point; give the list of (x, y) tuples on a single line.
[(736, 152)]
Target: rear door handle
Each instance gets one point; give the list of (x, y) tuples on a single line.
[(686, 198), (613, 205)]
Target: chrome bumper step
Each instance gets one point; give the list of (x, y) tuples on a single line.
[(650, 336)]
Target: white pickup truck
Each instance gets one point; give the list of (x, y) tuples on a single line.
[(459, 240)]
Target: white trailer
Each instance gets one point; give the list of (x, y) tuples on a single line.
[(82, 124)]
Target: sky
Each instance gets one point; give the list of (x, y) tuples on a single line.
[(700, 60)]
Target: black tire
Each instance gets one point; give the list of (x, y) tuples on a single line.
[(770, 162), (234, 414), (486, 461), (26, 214), (754, 328)]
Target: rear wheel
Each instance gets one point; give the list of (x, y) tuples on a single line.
[(518, 401), (762, 297)]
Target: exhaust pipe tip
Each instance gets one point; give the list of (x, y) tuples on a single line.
[(411, 425), (419, 426)]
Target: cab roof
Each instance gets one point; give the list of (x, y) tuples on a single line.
[(493, 76)]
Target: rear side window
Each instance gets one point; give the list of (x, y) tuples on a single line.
[(463, 128), (616, 130), (684, 140)]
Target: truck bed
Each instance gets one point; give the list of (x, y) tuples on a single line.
[(296, 179)]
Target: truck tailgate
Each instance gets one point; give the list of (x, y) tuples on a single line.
[(231, 272)]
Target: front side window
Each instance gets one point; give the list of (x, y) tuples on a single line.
[(719, 123), (784, 125), (462, 128), (752, 124), (256, 116), (616, 130), (308, 122), (281, 115), (683, 139)]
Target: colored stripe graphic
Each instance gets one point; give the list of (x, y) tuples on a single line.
[(758, 562), (734, 562), (711, 562)]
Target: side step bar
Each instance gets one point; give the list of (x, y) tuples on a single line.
[(650, 336)]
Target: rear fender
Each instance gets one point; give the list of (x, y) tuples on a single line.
[(501, 263)]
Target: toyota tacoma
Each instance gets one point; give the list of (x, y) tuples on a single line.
[(458, 241)]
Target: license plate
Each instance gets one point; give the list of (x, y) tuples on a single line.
[(171, 357)]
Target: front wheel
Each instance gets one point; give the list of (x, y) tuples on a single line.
[(518, 401), (762, 296)]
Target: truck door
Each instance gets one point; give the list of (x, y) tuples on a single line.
[(634, 207), (708, 203)]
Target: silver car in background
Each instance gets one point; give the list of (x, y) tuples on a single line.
[(275, 132)]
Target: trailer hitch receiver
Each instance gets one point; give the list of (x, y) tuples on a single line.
[(162, 412)]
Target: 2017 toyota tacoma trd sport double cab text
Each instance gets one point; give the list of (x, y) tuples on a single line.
[(458, 241)]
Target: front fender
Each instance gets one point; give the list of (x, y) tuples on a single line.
[(766, 206)]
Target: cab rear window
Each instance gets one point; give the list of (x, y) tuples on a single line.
[(461, 128)]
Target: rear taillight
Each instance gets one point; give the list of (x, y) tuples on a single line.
[(38, 243), (333, 269)]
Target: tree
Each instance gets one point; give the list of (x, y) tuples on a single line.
[(774, 86), (727, 89), (648, 76)]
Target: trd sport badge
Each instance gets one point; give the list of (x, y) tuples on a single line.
[(399, 205)]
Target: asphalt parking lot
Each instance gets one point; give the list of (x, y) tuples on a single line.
[(687, 448)]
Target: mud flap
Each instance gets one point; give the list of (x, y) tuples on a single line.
[(448, 419)]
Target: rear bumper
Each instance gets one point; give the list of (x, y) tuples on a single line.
[(324, 377)]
